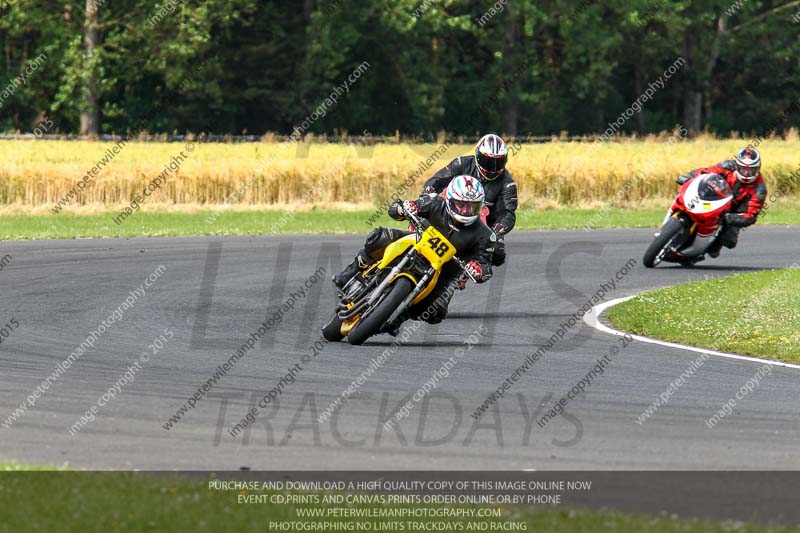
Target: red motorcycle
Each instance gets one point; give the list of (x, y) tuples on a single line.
[(693, 222)]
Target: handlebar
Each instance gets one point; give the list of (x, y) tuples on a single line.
[(417, 224), (464, 269)]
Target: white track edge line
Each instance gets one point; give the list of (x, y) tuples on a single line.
[(592, 318)]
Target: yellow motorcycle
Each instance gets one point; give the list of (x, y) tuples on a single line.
[(405, 275)]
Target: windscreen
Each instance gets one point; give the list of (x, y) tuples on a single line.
[(714, 187)]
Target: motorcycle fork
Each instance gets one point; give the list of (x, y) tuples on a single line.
[(691, 227), (423, 282), (385, 283)]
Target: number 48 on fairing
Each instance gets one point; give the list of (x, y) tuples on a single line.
[(438, 246)]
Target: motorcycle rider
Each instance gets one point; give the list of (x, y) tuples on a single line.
[(457, 218), (488, 165), (743, 174)]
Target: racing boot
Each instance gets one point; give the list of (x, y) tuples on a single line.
[(361, 262), (715, 248)]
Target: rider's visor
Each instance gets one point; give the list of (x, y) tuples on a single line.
[(464, 208), (491, 166), (748, 172)]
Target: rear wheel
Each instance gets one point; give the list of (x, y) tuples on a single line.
[(332, 330), (661, 244), (374, 321)]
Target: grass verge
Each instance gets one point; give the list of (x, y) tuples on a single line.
[(208, 222), (89, 502), (757, 313)]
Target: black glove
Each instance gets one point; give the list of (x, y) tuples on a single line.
[(500, 229), (428, 189), (731, 219)]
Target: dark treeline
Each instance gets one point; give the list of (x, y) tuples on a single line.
[(415, 67)]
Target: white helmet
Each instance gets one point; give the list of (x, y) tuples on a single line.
[(748, 165), (465, 198)]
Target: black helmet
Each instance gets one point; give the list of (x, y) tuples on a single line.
[(748, 165), (491, 156)]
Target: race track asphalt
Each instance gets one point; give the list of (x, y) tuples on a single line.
[(214, 291)]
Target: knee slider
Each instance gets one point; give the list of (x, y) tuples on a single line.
[(373, 236)]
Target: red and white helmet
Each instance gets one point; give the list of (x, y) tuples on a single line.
[(491, 156), (748, 165), (464, 197)]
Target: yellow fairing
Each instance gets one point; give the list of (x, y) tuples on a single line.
[(396, 249), (433, 246)]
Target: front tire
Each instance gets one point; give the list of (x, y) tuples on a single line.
[(332, 330), (656, 251), (374, 321)]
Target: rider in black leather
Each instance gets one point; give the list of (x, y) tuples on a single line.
[(498, 185), (474, 243)]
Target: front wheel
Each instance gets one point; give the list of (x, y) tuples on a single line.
[(374, 321), (332, 330), (661, 244)]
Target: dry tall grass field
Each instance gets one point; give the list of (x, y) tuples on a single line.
[(35, 175)]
